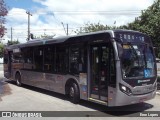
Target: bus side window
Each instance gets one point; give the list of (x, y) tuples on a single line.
[(112, 80), (78, 59), (17, 58), (83, 59), (49, 58), (38, 58), (28, 58), (73, 59), (62, 59)]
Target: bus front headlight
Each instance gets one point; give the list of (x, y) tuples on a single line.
[(125, 89)]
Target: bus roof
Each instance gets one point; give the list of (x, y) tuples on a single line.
[(37, 42)]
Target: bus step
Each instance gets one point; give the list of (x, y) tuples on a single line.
[(97, 101)]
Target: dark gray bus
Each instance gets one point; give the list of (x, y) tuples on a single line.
[(112, 67)]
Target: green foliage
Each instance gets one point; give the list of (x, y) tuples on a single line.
[(3, 12), (44, 36), (92, 27), (13, 42), (9, 43), (149, 23)]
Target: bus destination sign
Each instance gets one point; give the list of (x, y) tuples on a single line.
[(132, 37)]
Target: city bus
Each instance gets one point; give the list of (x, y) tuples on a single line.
[(111, 67)]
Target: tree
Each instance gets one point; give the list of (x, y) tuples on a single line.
[(3, 13), (92, 27), (149, 22), (9, 43), (13, 42), (43, 36)]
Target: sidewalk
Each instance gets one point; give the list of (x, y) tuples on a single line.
[(158, 92), (158, 88)]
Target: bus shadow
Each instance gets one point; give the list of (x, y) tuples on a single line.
[(43, 91), (128, 110), (98, 110), (4, 88)]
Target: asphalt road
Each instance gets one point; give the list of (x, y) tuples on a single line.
[(27, 98)]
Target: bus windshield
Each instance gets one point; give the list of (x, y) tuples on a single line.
[(137, 61)]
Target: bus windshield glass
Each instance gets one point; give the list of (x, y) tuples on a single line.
[(137, 61), (137, 58)]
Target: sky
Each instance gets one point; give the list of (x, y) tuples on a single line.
[(52, 16)]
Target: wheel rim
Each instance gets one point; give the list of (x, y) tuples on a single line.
[(18, 82), (71, 92)]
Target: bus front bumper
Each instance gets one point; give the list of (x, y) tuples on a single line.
[(123, 99)]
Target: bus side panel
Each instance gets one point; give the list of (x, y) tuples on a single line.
[(33, 78), (51, 82), (7, 74), (48, 81), (55, 82)]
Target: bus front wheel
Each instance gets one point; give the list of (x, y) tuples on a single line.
[(74, 93), (18, 79)]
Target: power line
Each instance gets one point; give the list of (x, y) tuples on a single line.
[(47, 29), (77, 11), (118, 12), (11, 34)]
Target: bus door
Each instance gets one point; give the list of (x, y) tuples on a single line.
[(99, 62)]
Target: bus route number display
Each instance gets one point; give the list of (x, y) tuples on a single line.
[(128, 37)]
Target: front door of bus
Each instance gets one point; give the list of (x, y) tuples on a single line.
[(99, 68)]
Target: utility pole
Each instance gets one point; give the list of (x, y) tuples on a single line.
[(66, 31), (29, 14), (11, 34)]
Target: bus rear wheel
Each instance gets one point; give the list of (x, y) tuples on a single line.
[(18, 79), (74, 93)]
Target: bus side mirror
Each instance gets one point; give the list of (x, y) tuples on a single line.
[(120, 50)]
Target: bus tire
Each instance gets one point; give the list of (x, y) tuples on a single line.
[(18, 79), (74, 93)]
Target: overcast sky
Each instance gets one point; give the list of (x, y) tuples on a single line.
[(48, 15)]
